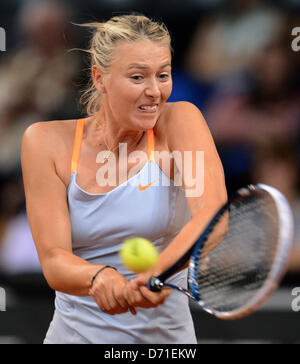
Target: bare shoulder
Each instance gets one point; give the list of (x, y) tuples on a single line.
[(182, 113), (51, 136), (45, 132), (182, 106), (184, 122), (49, 143), (174, 114)]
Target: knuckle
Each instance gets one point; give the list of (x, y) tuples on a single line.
[(119, 297)]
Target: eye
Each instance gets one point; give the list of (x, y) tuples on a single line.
[(137, 77), (164, 76)]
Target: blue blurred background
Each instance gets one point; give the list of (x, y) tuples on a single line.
[(233, 59)]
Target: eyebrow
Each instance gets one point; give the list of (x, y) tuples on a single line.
[(146, 67)]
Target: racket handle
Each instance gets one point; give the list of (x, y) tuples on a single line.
[(154, 284)]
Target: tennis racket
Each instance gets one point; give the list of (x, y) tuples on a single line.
[(241, 256)]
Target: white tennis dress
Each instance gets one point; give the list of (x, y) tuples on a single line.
[(100, 222)]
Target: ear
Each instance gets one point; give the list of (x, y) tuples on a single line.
[(98, 78)]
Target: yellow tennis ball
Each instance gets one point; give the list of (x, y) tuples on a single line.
[(138, 254)]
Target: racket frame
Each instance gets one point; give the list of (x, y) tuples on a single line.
[(279, 266)]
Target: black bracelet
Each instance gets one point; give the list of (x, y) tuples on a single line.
[(100, 270)]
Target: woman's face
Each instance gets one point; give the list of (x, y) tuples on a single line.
[(139, 84)]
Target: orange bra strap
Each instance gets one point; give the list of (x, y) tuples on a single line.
[(77, 145), (150, 139)]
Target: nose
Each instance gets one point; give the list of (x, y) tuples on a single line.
[(152, 89)]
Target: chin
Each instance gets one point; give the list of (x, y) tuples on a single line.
[(148, 125), (147, 122)]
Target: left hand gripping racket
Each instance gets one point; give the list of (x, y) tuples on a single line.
[(240, 258)]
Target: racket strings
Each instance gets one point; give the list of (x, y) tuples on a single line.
[(233, 272)]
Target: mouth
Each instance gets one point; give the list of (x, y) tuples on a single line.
[(150, 109)]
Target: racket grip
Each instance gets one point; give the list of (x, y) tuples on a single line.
[(154, 284)]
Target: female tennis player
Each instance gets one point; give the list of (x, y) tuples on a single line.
[(79, 224)]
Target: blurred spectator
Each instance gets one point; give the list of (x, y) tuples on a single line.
[(36, 80), (12, 199), (223, 48), (36, 83), (227, 41), (257, 129), (277, 166), (267, 113)]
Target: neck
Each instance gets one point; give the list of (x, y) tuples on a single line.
[(109, 134)]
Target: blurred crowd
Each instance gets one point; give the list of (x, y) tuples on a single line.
[(242, 73), (239, 69), (37, 82)]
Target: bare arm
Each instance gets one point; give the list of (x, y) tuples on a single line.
[(188, 131), (47, 211)]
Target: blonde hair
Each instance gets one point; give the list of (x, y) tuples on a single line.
[(106, 38)]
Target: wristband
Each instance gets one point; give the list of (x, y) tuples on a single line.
[(100, 270)]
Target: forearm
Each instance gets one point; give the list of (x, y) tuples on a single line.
[(68, 273), (188, 236), (180, 245)]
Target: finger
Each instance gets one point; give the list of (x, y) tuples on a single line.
[(140, 280), (101, 302), (155, 297), (120, 298), (104, 304), (101, 297), (138, 300), (133, 297), (112, 302), (133, 310), (125, 301), (133, 284)]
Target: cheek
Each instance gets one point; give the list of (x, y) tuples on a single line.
[(166, 90), (126, 93)]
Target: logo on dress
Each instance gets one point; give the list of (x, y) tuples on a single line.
[(143, 188)]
